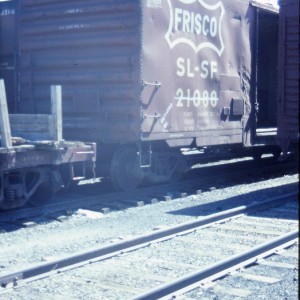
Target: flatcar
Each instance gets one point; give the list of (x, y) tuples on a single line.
[(35, 162), (145, 79), (288, 78)]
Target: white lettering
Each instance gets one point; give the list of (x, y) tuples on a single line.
[(205, 30), (213, 27), (180, 65), (196, 98), (186, 21), (204, 69), (190, 74), (184, 68), (198, 20), (199, 26), (191, 22), (213, 68), (178, 19)]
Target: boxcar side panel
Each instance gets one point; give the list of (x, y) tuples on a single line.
[(92, 49), (288, 75), (8, 49), (201, 53)]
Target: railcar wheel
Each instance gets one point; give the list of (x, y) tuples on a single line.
[(125, 171), (276, 153), (167, 167), (257, 155), (12, 191), (35, 185), (51, 183)]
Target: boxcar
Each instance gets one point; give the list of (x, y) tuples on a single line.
[(288, 76), (145, 78)]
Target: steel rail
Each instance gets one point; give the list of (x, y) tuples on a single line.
[(101, 253), (220, 268)]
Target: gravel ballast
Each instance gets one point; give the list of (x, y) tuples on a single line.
[(53, 239)]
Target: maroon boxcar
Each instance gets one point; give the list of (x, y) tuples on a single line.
[(144, 78), (288, 76)]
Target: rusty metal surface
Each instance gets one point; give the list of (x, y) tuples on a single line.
[(288, 77), (27, 156), (148, 70)]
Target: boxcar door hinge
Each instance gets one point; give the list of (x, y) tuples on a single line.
[(150, 94), (155, 116), (156, 84)]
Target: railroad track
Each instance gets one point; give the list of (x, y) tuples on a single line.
[(107, 201), (177, 259)]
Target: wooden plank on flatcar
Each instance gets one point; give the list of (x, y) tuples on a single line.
[(4, 120), (30, 127), (56, 111), (35, 127), (29, 123)]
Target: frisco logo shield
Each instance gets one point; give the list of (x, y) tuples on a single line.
[(197, 24)]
